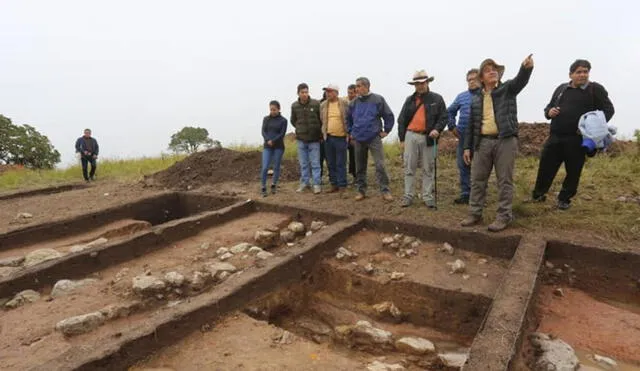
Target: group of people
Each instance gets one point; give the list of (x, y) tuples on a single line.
[(483, 118)]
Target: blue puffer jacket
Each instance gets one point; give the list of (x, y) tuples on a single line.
[(366, 115), (462, 103)]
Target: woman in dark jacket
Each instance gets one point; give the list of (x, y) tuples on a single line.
[(274, 128)]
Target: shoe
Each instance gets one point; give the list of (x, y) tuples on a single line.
[(86, 180), (387, 197), (462, 200), (302, 188), (406, 202), (93, 178), (274, 189), (317, 189), (359, 197), (471, 220), (264, 192), (333, 189), (498, 225), (563, 205), (431, 204), (538, 199)]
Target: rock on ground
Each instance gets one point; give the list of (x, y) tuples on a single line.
[(174, 279), (222, 251), (267, 239), (254, 250), (80, 324), (115, 311), (216, 268), (240, 248), (605, 360), (264, 255), (414, 345), (296, 227), (344, 253), (379, 366), (146, 285), (387, 241), (12, 261), (225, 256), (364, 333), (388, 308), (457, 266), (553, 354), (86, 246), (39, 256), (369, 269), (66, 287), (454, 360), (7, 271), (287, 236), (198, 280), (22, 298), (447, 248), (397, 276), (317, 225)]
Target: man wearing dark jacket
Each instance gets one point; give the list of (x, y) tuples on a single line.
[(87, 148), (568, 103), (492, 140), (422, 118), (365, 126), (305, 118)]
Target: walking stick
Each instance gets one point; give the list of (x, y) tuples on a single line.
[(435, 172)]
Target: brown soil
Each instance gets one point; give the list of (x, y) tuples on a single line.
[(218, 165), (34, 323), (588, 324)]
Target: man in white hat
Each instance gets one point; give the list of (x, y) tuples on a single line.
[(333, 113), (422, 119)]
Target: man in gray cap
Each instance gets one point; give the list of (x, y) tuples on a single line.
[(422, 118), (491, 139)]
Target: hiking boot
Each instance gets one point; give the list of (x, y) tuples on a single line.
[(462, 200), (360, 196), (302, 188), (333, 189), (471, 220), (264, 192), (274, 189), (431, 204), (387, 197), (498, 225), (317, 189), (563, 205), (406, 202)]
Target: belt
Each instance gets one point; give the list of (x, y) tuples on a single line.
[(418, 132)]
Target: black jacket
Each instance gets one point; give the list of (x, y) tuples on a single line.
[(505, 109), (436, 113), (306, 119)]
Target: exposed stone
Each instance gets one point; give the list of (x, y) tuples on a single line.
[(387, 241), (454, 360), (254, 250), (314, 326), (86, 246), (394, 246), (465, 277), (605, 360), (621, 199), (408, 240), (225, 256), (317, 225), (222, 251), (447, 248), (174, 279), (7, 271), (286, 338), (198, 280), (549, 265), (147, 285), (587, 197), (120, 275), (415, 345), (266, 239), (369, 268), (482, 261), (558, 292), (287, 236), (415, 244), (24, 216), (216, 268), (66, 287), (552, 354), (264, 255), (223, 276), (379, 366), (397, 275), (364, 333), (240, 248), (296, 227), (398, 237), (485, 275), (205, 246), (344, 253), (457, 266), (115, 311), (22, 298), (39, 256), (387, 308), (411, 252), (401, 254), (309, 233), (12, 261), (80, 324)]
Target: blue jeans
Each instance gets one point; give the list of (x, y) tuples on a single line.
[(464, 169), (309, 158), (270, 155), (336, 150), (86, 161)]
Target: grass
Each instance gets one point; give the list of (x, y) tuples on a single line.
[(595, 208)]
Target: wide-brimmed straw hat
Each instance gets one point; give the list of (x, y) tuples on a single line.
[(420, 76)]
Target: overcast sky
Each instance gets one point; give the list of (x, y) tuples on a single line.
[(136, 71)]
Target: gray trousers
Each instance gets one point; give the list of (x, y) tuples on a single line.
[(362, 157), (416, 150), (501, 155)]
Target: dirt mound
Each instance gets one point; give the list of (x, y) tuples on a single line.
[(218, 165)]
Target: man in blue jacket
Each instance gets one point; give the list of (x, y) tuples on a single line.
[(462, 104), (87, 148), (365, 126)]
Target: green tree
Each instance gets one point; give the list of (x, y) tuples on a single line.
[(24, 145), (189, 140)]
